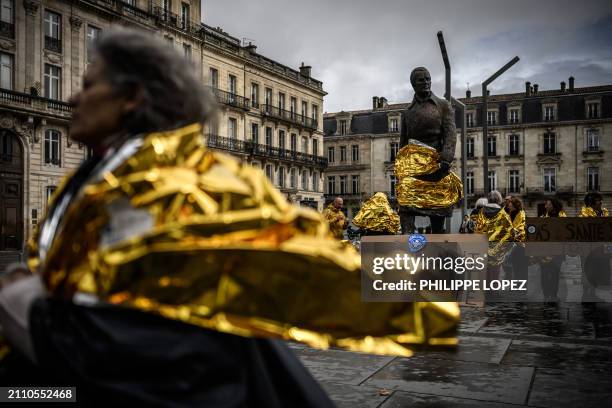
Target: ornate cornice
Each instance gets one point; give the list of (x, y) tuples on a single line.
[(31, 7)]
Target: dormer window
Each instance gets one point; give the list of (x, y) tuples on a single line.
[(469, 119), (491, 118), (343, 127), (593, 110), (549, 113), (393, 125), (513, 116)]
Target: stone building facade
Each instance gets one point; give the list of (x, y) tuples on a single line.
[(270, 114), (553, 143)]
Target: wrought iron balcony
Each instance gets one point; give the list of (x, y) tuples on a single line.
[(53, 44), (288, 116), (266, 151), (535, 191), (174, 20), (35, 103), (7, 30), (231, 99)]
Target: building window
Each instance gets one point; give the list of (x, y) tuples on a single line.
[(469, 119), (315, 147), (281, 139), (331, 185), (292, 178), (184, 16), (469, 181), (343, 127), (293, 142), (593, 110), (6, 146), (392, 183), (315, 114), (304, 180), (214, 78), (513, 147), (268, 99), (469, 144), (6, 71), (167, 6), (7, 28), (549, 113), (355, 184), (49, 191), (281, 177), (394, 148), (355, 153), (255, 133), (549, 143), (593, 140), (52, 82), (342, 154), (254, 95), (304, 144), (513, 181), (514, 116), (492, 145), (593, 179), (292, 107), (304, 109), (331, 154), (53, 30), (187, 51), (492, 118), (393, 126), (268, 136), (269, 172), (315, 181), (550, 182), (92, 36), (492, 180), (53, 147), (343, 185), (281, 101), (232, 84)]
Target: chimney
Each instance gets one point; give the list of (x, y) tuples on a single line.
[(305, 70), (251, 47), (374, 102), (382, 102), (535, 88), (562, 86), (527, 88), (468, 94), (571, 84)]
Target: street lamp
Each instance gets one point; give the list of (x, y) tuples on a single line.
[(485, 118)]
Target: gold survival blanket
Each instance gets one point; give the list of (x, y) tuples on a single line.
[(589, 212), (418, 159), (227, 252), (500, 232), (336, 220), (377, 215)]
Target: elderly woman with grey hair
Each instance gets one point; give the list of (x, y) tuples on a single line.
[(121, 355)]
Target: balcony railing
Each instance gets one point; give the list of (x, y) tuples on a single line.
[(7, 30), (34, 102), (124, 8), (261, 150), (288, 116), (231, 99), (556, 190), (174, 20), (53, 44)]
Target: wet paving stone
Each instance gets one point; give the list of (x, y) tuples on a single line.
[(401, 399), (353, 396), (559, 355), (476, 349), (570, 388), (340, 366), (452, 378)]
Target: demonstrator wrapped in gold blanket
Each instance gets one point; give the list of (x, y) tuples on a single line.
[(418, 159), (211, 242)]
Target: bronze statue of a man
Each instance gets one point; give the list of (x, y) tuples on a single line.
[(429, 120)]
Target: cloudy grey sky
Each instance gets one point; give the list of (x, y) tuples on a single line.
[(365, 48)]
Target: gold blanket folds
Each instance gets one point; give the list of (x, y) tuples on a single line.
[(417, 159), (500, 233), (377, 215), (212, 243), (589, 212)]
